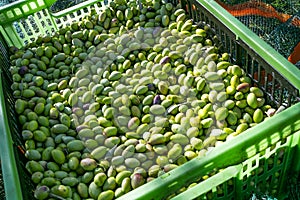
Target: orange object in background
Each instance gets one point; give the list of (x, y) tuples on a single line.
[(254, 8), (264, 10), (295, 55)]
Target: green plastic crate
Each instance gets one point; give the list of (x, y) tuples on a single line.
[(21, 22), (239, 158), (261, 175)]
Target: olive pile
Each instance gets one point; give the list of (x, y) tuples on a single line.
[(109, 103)]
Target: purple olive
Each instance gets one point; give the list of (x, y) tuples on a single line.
[(137, 180), (157, 99), (41, 192), (13, 49), (243, 87), (164, 60), (151, 87), (80, 127), (23, 70), (86, 106), (41, 93), (150, 9), (156, 31), (77, 111)]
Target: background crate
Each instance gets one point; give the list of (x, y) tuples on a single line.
[(258, 59), (272, 20), (24, 20)]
